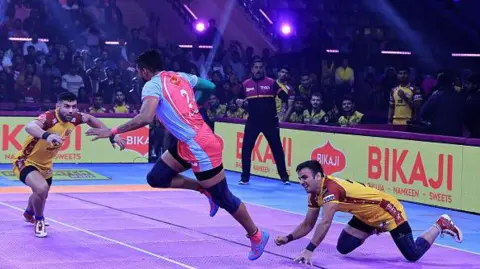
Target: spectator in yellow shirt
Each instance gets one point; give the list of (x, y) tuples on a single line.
[(405, 100), (216, 110), (120, 106), (350, 117), (295, 110), (315, 115), (234, 111), (97, 107), (344, 75)]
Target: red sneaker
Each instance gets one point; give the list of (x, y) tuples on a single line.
[(28, 217), (258, 242), (446, 226)]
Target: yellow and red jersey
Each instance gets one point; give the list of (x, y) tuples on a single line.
[(371, 206), (38, 152)]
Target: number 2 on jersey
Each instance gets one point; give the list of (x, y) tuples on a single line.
[(184, 93)]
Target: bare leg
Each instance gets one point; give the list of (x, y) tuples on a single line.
[(180, 181), (245, 220), (40, 190)]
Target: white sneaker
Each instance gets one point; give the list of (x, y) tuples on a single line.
[(40, 229)]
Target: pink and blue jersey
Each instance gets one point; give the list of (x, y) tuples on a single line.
[(179, 113)]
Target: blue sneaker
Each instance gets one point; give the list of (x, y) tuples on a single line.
[(258, 241), (213, 207)]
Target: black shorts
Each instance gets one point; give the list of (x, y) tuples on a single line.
[(360, 225), (27, 170), (173, 150)]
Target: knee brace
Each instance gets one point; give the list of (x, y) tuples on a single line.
[(347, 243), (161, 175), (410, 249), (223, 197)]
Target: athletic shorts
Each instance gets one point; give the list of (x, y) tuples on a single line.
[(27, 170), (202, 153), (23, 167)]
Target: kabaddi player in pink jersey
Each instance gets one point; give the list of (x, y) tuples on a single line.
[(171, 96)]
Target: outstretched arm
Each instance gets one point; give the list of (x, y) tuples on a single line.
[(329, 210), (146, 115), (303, 229), (96, 123)]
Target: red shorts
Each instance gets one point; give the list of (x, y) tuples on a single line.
[(204, 152)]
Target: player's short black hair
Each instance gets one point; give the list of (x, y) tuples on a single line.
[(286, 68), (404, 68), (313, 165), (67, 96), (318, 94), (348, 97), (98, 95), (150, 60), (257, 59)]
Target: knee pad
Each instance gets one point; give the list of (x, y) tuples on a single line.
[(161, 175), (347, 243), (223, 197)]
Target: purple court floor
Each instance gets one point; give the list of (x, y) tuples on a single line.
[(172, 229)]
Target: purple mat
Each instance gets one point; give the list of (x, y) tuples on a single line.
[(135, 229)]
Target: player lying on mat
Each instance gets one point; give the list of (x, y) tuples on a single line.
[(170, 95), (373, 212), (33, 163)]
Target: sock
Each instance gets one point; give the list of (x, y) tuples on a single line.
[(28, 212), (39, 218), (438, 228), (253, 234)]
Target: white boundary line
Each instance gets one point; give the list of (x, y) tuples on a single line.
[(108, 239), (339, 222)]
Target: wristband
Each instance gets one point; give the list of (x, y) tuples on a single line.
[(311, 247), (114, 131), (112, 137), (45, 135), (290, 237)]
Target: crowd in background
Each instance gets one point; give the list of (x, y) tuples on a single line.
[(327, 90)]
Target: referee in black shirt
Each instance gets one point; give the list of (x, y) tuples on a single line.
[(262, 118)]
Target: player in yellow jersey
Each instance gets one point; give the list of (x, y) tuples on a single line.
[(373, 212), (405, 100), (33, 164)]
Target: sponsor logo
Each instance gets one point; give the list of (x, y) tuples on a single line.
[(328, 198), (137, 140), (332, 159)]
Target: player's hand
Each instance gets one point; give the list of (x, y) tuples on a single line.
[(281, 240), (99, 133), (305, 257), (54, 140), (118, 140)]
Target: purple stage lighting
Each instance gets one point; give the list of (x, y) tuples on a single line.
[(200, 26), (286, 29)]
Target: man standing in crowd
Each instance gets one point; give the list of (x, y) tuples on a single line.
[(473, 105), (405, 100), (261, 92), (445, 109)]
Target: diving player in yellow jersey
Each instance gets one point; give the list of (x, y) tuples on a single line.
[(373, 212), (33, 164)]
